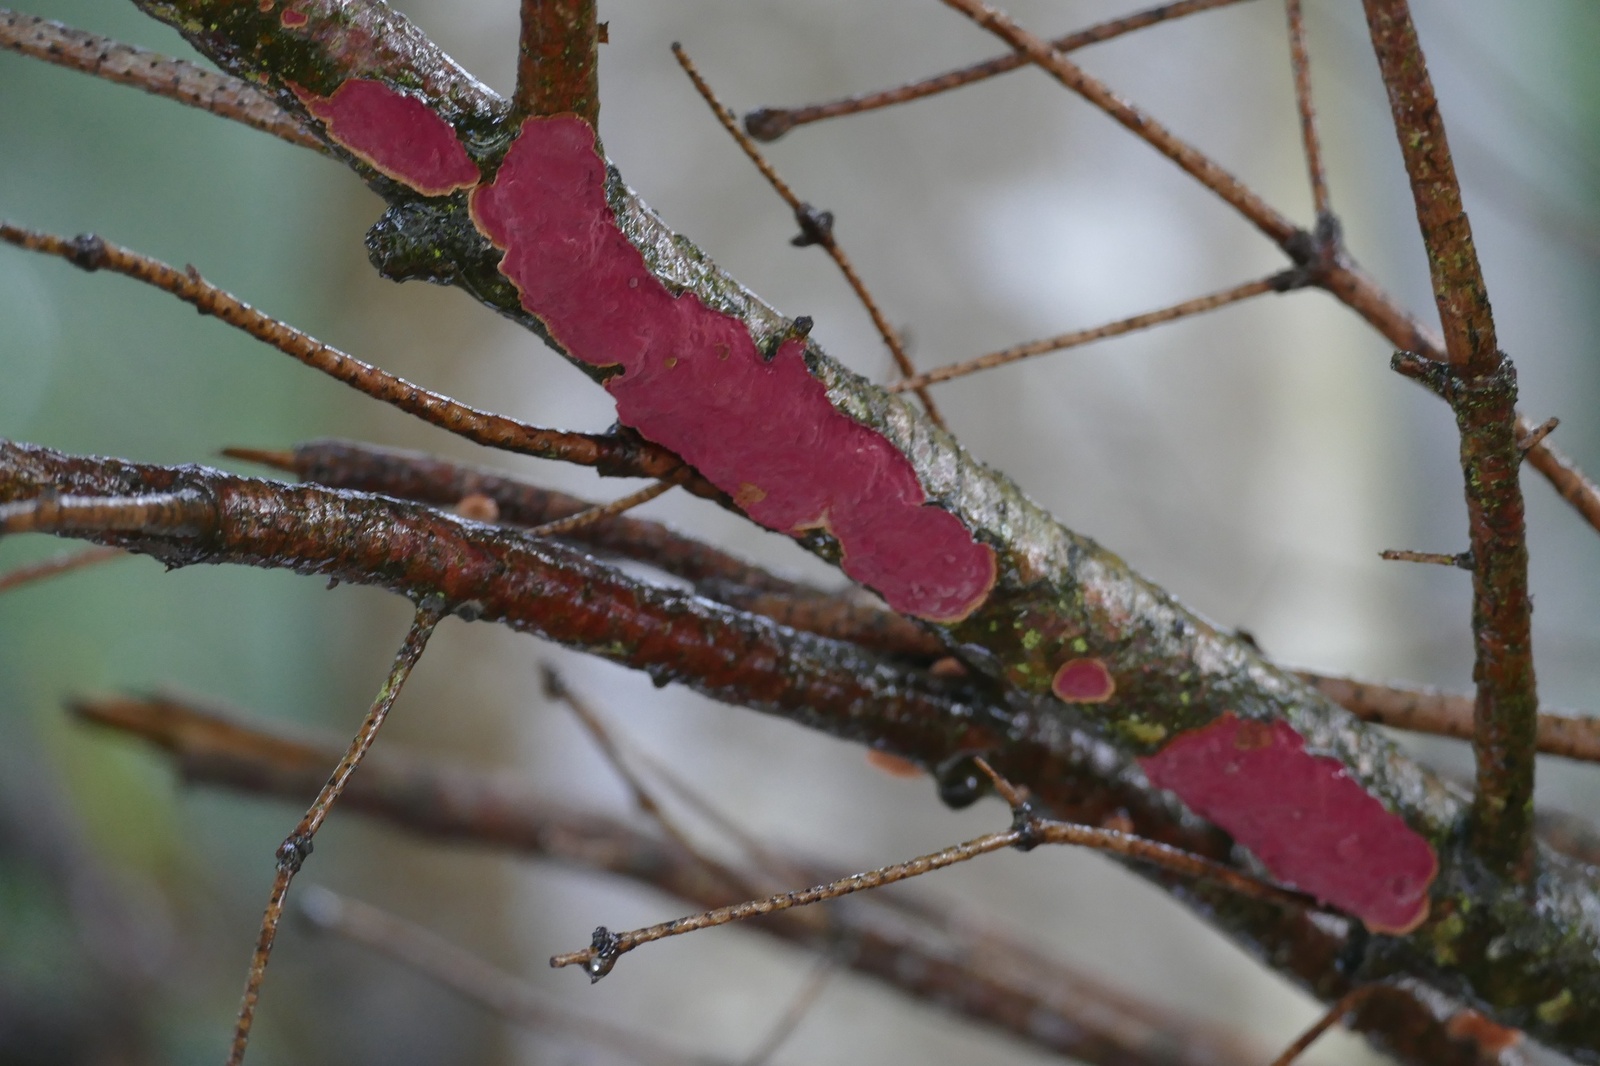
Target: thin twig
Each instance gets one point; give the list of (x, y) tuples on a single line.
[(1347, 1003), (1569, 734), (176, 79), (1563, 474), (1200, 304), (1526, 442), (1300, 60), (1480, 385), (61, 564), (1320, 261), (296, 847), (601, 512), (517, 1000), (558, 60), (985, 978), (606, 947), (770, 123), (816, 227), (481, 427), (1241, 197), (555, 687), (1460, 560)]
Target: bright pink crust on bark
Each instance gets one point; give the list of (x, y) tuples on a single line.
[(693, 380), (1083, 681), (396, 133), (293, 19), (1303, 816)]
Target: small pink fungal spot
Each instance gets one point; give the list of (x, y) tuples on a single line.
[(293, 19), (1084, 681), (397, 134), (1308, 821), (761, 430)]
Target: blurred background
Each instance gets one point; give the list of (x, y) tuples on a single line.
[(1254, 461)]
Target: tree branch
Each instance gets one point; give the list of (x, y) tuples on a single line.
[(1047, 611), (992, 981), (1570, 734), (988, 980), (770, 123), (176, 79), (558, 61), (1480, 385), (608, 453)]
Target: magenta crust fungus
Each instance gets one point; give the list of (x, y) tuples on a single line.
[(691, 378), (1083, 681), (1308, 821), (397, 134)]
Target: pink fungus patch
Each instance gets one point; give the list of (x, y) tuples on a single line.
[(1308, 821), (1084, 681), (294, 20), (396, 133), (693, 380)]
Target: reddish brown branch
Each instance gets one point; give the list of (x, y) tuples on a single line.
[(605, 452), (716, 574), (176, 79), (1480, 386), (836, 616), (770, 123), (1448, 714), (415, 476), (987, 980), (558, 60), (1469, 335)]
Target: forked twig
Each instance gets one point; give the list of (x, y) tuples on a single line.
[(1280, 282), (1028, 831), (176, 79), (296, 847), (61, 564), (816, 227), (91, 253), (770, 123), (1319, 256), (1236, 193)]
